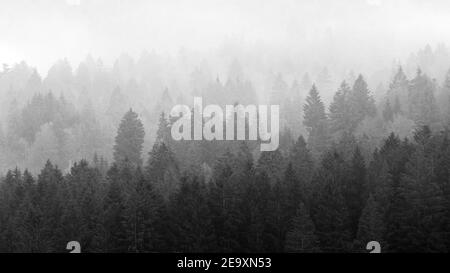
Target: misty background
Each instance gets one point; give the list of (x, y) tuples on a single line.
[(86, 152), (103, 57)]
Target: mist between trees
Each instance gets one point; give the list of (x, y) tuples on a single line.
[(96, 165)]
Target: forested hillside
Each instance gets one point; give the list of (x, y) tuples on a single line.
[(355, 171)]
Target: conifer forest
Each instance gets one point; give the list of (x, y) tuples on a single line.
[(87, 151)]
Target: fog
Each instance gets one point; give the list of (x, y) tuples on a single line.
[(94, 150), (100, 58), (357, 31)]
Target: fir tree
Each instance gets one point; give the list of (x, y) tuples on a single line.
[(398, 92), (354, 190), (162, 170), (129, 140), (340, 115), (114, 212), (422, 105), (328, 209), (301, 237), (362, 104), (316, 123)]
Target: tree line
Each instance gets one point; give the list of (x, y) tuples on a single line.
[(289, 200)]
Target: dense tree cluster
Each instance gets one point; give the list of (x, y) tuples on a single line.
[(282, 201), (349, 169)]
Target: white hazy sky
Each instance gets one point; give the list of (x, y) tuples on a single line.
[(43, 31)]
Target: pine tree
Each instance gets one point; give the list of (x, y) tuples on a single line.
[(328, 209), (314, 109), (340, 115), (84, 186), (444, 98), (191, 215), (10, 200), (273, 164), (261, 217), (163, 133), (231, 175), (425, 198), (371, 225), (422, 105), (301, 237), (162, 170), (51, 209), (354, 190), (442, 178), (362, 104), (303, 166), (27, 218), (398, 92), (398, 214), (144, 211), (129, 140), (316, 123), (114, 212)]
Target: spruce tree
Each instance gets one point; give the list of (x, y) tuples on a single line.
[(163, 133), (162, 170), (422, 107), (302, 162), (114, 212), (316, 123), (397, 94), (301, 237), (354, 190), (340, 115), (273, 163), (362, 104), (328, 209), (193, 228), (129, 140)]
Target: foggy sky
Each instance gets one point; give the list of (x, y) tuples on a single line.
[(43, 31)]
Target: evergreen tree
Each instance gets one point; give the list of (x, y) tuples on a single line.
[(273, 164), (444, 98), (191, 217), (27, 217), (442, 178), (163, 134), (129, 140), (328, 208), (340, 115), (85, 190), (424, 198), (398, 92), (371, 225), (51, 209), (303, 165), (301, 237), (144, 213), (354, 190), (422, 102), (362, 104), (316, 123), (162, 170), (114, 212)]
